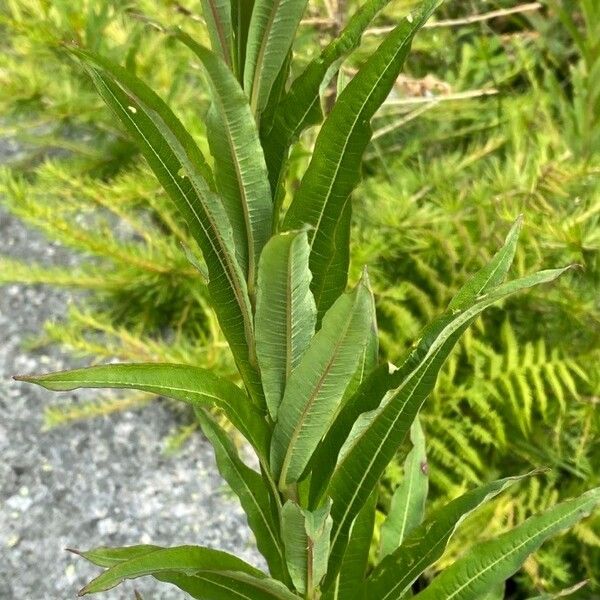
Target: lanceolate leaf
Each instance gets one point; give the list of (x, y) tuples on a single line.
[(270, 36), (356, 558), (334, 169), (217, 15), (252, 492), (300, 107), (317, 385), (194, 385), (408, 502), (285, 312), (370, 449), (183, 559), (158, 133), (306, 536), (489, 563), (422, 547), (240, 167)]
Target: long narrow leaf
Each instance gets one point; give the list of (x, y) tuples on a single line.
[(152, 125), (490, 563), (316, 387), (394, 575), (285, 312), (334, 169), (194, 385), (378, 383), (240, 168), (408, 502), (227, 586), (183, 559), (300, 107), (252, 492), (306, 535), (369, 449), (270, 36)]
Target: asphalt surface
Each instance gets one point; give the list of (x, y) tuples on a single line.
[(106, 481)]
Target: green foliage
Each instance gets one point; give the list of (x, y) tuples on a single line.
[(335, 419)]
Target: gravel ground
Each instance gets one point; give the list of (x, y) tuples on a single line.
[(100, 482)]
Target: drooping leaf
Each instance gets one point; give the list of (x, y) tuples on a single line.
[(252, 492), (227, 585), (285, 312), (240, 169), (491, 562), (407, 508), (356, 558), (217, 15), (370, 448), (182, 559), (306, 536), (316, 386), (425, 544), (270, 36), (300, 107), (177, 165), (334, 169), (194, 385)]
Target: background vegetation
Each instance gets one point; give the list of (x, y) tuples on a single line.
[(496, 115)]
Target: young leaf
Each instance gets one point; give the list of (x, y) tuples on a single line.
[(300, 107), (183, 559), (489, 563), (372, 446), (352, 573), (176, 165), (306, 537), (252, 492), (194, 385), (425, 544), (285, 312), (316, 387), (270, 36), (240, 168), (408, 502), (334, 169), (217, 15)]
